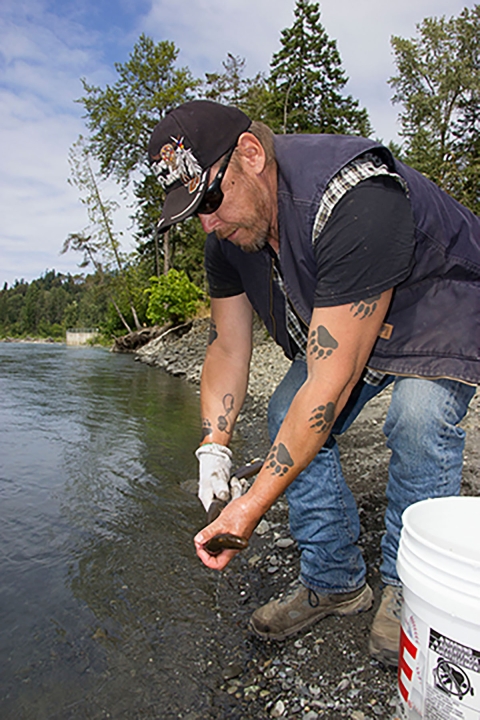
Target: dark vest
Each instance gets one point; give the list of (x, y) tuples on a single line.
[(432, 328)]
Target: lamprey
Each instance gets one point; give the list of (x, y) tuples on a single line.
[(225, 541)]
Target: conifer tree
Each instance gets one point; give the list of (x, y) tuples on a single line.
[(306, 80)]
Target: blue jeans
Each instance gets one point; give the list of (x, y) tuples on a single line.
[(426, 461)]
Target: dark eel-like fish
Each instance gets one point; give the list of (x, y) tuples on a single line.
[(225, 541)]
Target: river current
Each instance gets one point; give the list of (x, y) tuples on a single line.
[(104, 607)]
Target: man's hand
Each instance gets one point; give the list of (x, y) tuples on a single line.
[(214, 473), (239, 517)]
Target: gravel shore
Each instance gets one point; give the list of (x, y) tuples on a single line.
[(326, 672)]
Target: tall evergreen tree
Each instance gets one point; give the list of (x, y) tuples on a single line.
[(438, 85), (307, 78)]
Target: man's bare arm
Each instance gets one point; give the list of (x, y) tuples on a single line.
[(340, 341), (225, 370)]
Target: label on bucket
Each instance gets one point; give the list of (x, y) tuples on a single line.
[(438, 677), (453, 679)]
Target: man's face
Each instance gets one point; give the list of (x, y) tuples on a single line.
[(244, 217)]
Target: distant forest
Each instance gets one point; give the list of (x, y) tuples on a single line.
[(48, 306)]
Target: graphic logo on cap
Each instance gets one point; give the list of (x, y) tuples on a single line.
[(177, 163)]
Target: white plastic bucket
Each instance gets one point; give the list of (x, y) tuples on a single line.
[(439, 566)]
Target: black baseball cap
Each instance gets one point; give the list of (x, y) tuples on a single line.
[(184, 146)]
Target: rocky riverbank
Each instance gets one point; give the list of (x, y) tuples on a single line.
[(326, 672)]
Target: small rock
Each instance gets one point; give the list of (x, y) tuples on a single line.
[(357, 715), (262, 527), (284, 542), (311, 715), (278, 709), (232, 670)]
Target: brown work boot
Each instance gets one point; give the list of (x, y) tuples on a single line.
[(385, 633), (303, 607)]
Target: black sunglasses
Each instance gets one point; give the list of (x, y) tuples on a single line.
[(213, 197)]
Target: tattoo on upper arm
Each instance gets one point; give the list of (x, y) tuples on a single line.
[(223, 422), (279, 460), (213, 334), (206, 428), (322, 417), (365, 308), (321, 343)]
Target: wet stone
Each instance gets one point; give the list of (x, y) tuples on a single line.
[(232, 670)]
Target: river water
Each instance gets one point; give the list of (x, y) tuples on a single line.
[(104, 608)]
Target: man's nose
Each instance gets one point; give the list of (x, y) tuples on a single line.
[(209, 222)]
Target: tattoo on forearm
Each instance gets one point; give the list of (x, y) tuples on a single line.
[(213, 334), (206, 428), (279, 460), (321, 344), (365, 308), (223, 422), (322, 417)]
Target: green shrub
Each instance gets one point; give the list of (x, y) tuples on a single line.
[(172, 298)]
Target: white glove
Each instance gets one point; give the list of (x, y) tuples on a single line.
[(214, 473), (238, 487)]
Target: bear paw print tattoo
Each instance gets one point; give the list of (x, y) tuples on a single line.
[(213, 334), (322, 417), (279, 460), (365, 308), (206, 428), (321, 343)]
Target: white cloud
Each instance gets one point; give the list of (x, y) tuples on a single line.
[(45, 48), (251, 29), (42, 59)]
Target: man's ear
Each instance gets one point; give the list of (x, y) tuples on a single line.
[(251, 153)]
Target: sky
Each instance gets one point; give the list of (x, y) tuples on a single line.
[(47, 46)]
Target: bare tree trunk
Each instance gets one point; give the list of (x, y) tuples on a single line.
[(119, 313), (285, 105), (135, 317), (157, 255), (166, 252)]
